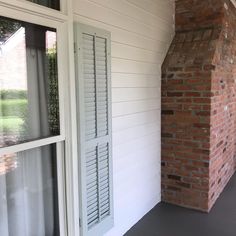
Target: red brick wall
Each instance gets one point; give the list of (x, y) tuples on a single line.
[(223, 105), (198, 101), (195, 14)]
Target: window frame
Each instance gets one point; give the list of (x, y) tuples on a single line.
[(66, 142), (36, 8), (53, 139)]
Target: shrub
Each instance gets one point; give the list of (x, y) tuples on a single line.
[(13, 94)]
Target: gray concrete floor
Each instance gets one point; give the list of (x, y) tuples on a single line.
[(170, 220)]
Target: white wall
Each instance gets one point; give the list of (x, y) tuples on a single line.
[(141, 34)]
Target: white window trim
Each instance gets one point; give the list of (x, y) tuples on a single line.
[(63, 6), (67, 160), (37, 9), (29, 145), (61, 82)]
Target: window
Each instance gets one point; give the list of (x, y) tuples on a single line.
[(31, 143), (29, 107), (28, 193), (54, 4)]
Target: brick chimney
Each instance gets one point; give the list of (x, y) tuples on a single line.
[(199, 104)]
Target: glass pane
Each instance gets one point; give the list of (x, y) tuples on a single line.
[(29, 107), (54, 4), (28, 193)]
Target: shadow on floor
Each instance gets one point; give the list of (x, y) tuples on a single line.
[(170, 220)]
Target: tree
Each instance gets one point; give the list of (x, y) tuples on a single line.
[(7, 28)]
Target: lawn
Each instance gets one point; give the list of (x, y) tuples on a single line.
[(12, 115), (11, 124), (13, 107)]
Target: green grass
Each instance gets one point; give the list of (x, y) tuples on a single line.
[(12, 115), (13, 102), (13, 107), (11, 124), (13, 94)]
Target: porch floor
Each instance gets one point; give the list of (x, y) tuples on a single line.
[(170, 220)]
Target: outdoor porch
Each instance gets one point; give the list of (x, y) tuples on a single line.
[(114, 112), (166, 219)]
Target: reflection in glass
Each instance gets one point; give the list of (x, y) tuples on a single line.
[(54, 4), (8, 163), (28, 193), (29, 107)]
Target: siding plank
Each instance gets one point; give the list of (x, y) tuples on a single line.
[(129, 121), (155, 8), (134, 133), (132, 94), (120, 50), (121, 80), (128, 66), (131, 107)]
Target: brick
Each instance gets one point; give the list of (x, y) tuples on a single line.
[(202, 113), (184, 185), (174, 177), (167, 112), (174, 94), (209, 67), (174, 69), (192, 94), (193, 68), (184, 75), (173, 188), (199, 105), (207, 34)]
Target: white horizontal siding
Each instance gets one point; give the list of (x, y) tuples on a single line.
[(136, 132), (131, 107), (123, 150), (124, 51), (125, 122), (141, 34), (136, 67), (161, 8), (132, 94), (125, 80), (127, 37)]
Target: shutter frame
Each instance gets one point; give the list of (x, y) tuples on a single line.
[(79, 31)]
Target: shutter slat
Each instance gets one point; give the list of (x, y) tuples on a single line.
[(92, 223), (104, 194), (91, 185), (92, 193), (93, 216), (92, 208), (91, 162), (104, 208), (90, 92), (92, 198), (92, 168), (89, 77)]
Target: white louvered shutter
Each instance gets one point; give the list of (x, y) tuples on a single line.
[(92, 50)]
